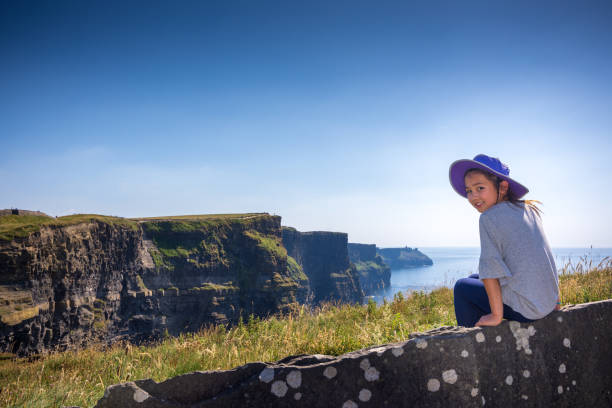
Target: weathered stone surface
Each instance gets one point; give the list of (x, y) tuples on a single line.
[(563, 360)]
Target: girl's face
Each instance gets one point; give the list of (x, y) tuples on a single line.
[(482, 193)]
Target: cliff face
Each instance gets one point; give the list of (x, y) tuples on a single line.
[(324, 258), (398, 258), (562, 360), (361, 252), (219, 269), (372, 272), (63, 286), (69, 285)]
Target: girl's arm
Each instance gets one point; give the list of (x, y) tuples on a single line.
[(493, 290)]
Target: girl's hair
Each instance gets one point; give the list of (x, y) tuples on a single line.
[(510, 194)]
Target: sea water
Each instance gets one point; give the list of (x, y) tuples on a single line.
[(451, 263)]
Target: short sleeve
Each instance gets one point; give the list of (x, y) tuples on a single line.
[(491, 264)]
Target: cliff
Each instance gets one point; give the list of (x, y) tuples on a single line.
[(372, 271), (324, 258), (562, 360), (61, 285), (71, 281), (399, 258)]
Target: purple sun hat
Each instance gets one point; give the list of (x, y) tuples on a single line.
[(492, 165)]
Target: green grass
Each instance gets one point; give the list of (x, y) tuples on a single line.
[(203, 241), (294, 270), (19, 226), (201, 217), (159, 260), (269, 243), (216, 287), (79, 378), (184, 236), (585, 282), (368, 268)]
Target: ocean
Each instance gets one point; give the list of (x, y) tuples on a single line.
[(450, 264)]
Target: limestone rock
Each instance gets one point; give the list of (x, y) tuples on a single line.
[(562, 360)]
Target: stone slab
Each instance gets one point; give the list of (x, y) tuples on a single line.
[(563, 360)]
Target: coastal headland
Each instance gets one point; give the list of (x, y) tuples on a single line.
[(72, 281)]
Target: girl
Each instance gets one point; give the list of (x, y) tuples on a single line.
[(517, 275)]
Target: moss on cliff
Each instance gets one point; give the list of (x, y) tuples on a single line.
[(364, 267), (208, 286), (244, 249), (158, 259), (271, 244), (373, 274), (294, 270), (196, 240), (202, 239)]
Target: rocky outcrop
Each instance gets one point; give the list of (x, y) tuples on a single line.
[(372, 272), (324, 258), (75, 281), (562, 360), (399, 258)]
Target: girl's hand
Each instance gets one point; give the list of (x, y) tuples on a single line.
[(489, 320), (558, 306), (493, 289)]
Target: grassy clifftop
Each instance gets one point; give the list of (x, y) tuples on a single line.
[(202, 217), (20, 226)]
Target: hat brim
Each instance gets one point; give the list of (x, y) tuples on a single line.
[(456, 174)]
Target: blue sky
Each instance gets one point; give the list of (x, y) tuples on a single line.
[(336, 115)]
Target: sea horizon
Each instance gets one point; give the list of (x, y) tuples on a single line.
[(452, 263)]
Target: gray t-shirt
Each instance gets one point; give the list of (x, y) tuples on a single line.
[(514, 249)]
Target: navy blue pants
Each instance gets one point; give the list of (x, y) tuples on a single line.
[(472, 302)]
